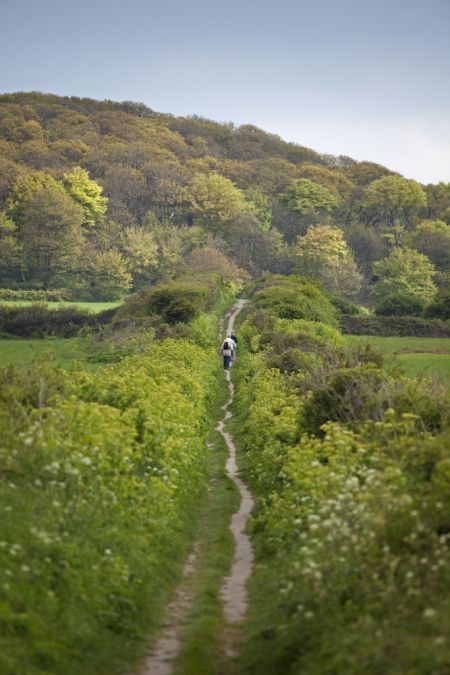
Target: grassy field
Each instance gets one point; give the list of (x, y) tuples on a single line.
[(416, 355), (92, 306), (61, 351)]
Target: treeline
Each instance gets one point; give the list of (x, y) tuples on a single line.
[(349, 464), (101, 475), (99, 197)]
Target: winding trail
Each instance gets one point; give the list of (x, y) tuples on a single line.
[(233, 592)]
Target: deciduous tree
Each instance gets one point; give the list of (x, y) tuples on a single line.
[(323, 254), (405, 271), (50, 232), (393, 200), (88, 194)]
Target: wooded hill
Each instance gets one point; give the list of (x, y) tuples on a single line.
[(130, 194)]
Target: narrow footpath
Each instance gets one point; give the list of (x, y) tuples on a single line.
[(233, 592)]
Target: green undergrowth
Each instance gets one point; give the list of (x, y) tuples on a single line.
[(102, 477), (349, 464)]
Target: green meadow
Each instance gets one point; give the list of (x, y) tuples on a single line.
[(64, 352), (94, 307), (416, 355)]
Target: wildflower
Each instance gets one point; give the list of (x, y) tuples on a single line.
[(429, 613)]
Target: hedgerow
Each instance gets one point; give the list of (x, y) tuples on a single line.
[(100, 476), (394, 326), (38, 321), (352, 520)]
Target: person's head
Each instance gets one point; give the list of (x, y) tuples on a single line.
[(229, 335)]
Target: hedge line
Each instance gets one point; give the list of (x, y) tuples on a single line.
[(394, 325), (38, 321), (100, 475), (350, 466)]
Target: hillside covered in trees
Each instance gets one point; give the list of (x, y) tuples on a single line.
[(98, 198)]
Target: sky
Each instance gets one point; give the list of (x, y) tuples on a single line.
[(365, 78)]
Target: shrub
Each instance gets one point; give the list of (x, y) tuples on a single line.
[(39, 321), (440, 308), (350, 395), (293, 298), (394, 326), (345, 306), (180, 300), (100, 479), (400, 305), (36, 295)]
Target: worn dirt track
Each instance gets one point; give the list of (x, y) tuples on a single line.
[(233, 592)]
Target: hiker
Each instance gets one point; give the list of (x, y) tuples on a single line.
[(227, 352)]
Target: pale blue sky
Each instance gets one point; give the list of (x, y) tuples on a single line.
[(365, 78)]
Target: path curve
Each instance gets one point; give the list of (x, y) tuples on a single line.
[(234, 591)]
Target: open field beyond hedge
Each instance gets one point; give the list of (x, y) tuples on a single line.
[(416, 355), (94, 307), (64, 352)]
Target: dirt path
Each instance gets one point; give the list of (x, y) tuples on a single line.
[(233, 592), (161, 659)]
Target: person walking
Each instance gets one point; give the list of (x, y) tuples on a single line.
[(227, 352)]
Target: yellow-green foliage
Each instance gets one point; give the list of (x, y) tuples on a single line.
[(97, 484), (352, 525)]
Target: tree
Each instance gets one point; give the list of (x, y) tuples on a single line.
[(50, 232), (323, 254), (208, 258), (438, 197), (26, 187), (405, 271), (393, 200), (88, 194), (109, 276), (432, 238), (305, 197), (214, 200), (9, 246), (260, 204), (140, 249), (169, 240), (366, 243)]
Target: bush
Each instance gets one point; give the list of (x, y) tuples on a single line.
[(400, 305), (35, 295), (351, 524), (100, 476), (177, 301), (293, 298), (345, 306), (38, 321), (394, 325), (440, 308), (350, 395)]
